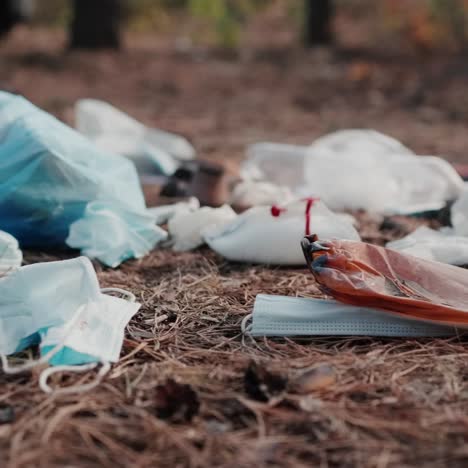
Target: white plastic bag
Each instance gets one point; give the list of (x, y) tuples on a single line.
[(119, 133), (440, 246), (186, 228), (459, 214), (273, 235), (250, 193), (11, 256), (162, 214)]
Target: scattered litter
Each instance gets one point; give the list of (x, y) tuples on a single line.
[(368, 275), (186, 229), (295, 316), (133, 234), (271, 235), (250, 193), (50, 174), (162, 214), (357, 169), (459, 215), (75, 322), (11, 256), (440, 246), (117, 132)]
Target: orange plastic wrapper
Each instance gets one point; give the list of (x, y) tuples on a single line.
[(368, 275)]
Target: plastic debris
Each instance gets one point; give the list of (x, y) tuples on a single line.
[(11, 256), (459, 215), (117, 132), (162, 214), (368, 275), (356, 169), (440, 246), (186, 229), (271, 235), (50, 173)]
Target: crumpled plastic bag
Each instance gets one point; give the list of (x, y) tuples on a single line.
[(356, 169), (11, 256), (117, 132), (368, 275), (50, 173), (186, 228), (271, 235), (163, 213), (440, 246)]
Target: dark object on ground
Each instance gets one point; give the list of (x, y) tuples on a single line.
[(176, 402), (261, 384), (96, 24), (7, 414), (204, 180), (317, 27)]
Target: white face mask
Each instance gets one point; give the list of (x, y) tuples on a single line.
[(60, 306), (293, 316)]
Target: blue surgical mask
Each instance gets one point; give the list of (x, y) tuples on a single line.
[(60, 306), (294, 316)]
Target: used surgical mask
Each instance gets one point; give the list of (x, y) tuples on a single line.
[(293, 316), (60, 306), (11, 256)]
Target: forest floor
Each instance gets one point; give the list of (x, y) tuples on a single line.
[(189, 390)]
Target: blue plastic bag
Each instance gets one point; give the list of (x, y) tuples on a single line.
[(49, 173)]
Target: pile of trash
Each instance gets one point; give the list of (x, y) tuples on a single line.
[(289, 205)]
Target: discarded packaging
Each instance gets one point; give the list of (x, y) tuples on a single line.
[(271, 235), (440, 246), (11, 256), (186, 229), (368, 275), (50, 173), (250, 193), (162, 214), (117, 132)]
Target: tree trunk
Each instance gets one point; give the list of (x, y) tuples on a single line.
[(317, 28), (95, 24)]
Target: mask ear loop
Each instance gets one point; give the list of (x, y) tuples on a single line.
[(46, 373), (246, 328), (129, 296)]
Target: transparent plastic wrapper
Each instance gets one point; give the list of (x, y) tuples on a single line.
[(186, 228), (271, 235), (371, 276), (50, 173), (119, 133), (440, 246), (356, 169)]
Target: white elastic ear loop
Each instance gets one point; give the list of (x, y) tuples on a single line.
[(46, 373), (43, 359), (246, 328), (130, 296)]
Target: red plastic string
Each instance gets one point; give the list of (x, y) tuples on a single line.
[(276, 211), (310, 204)]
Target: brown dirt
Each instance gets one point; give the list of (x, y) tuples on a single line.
[(185, 392)]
